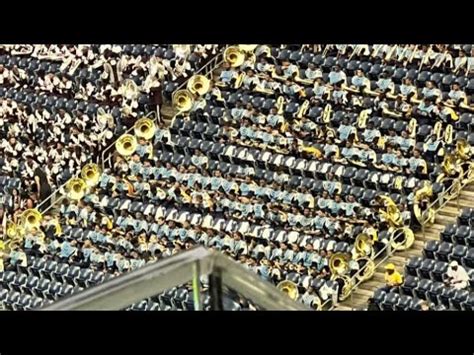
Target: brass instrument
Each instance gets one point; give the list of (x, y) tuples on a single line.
[(234, 56), (76, 188), (239, 80), (364, 245), (392, 214), (345, 285), (145, 128), (327, 113), (362, 119), (90, 173), (403, 238), (303, 109), (126, 145), (463, 149), (398, 184), (30, 218), (438, 127), (412, 127), (289, 288), (311, 150), (183, 100), (368, 266), (423, 193), (448, 134), (339, 263), (280, 103), (247, 47), (199, 85), (449, 167)]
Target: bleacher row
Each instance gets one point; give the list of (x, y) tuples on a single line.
[(205, 131), (425, 276)]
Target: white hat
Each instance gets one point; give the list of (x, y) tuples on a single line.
[(453, 263)]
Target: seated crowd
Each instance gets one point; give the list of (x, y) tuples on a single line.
[(443, 278), (279, 166), (62, 105)]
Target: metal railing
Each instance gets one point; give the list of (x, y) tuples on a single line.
[(150, 280), (207, 69), (387, 251), (107, 153)]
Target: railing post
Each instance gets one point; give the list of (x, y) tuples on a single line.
[(197, 286)]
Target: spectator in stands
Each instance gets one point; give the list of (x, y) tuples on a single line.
[(393, 278), (456, 276)]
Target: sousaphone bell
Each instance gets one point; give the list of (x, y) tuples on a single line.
[(90, 173), (76, 188), (289, 288), (234, 56), (183, 100), (199, 85), (145, 128), (31, 218), (126, 145)]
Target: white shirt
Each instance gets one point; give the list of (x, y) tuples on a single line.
[(458, 276)]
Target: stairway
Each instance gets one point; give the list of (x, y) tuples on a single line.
[(448, 214)]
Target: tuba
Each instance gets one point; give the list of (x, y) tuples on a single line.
[(145, 128), (90, 173), (412, 127), (402, 238), (198, 85), (126, 145), (364, 245), (362, 119), (289, 288), (422, 194), (31, 218), (13, 230), (327, 113), (448, 134), (463, 149), (234, 56), (183, 100), (303, 109), (339, 263), (76, 188)]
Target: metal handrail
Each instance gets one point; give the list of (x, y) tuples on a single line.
[(150, 280), (104, 159), (389, 250)]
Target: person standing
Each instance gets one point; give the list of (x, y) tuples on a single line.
[(43, 189)]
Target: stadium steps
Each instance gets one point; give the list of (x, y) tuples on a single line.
[(448, 214)]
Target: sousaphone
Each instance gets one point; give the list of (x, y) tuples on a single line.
[(126, 145), (345, 284), (31, 218), (76, 188), (402, 238), (198, 85), (234, 56), (289, 288), (183, 100), (90, 173), (145, 128), (339, 263)]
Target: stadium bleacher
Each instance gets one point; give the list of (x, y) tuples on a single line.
[(283, 160)]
